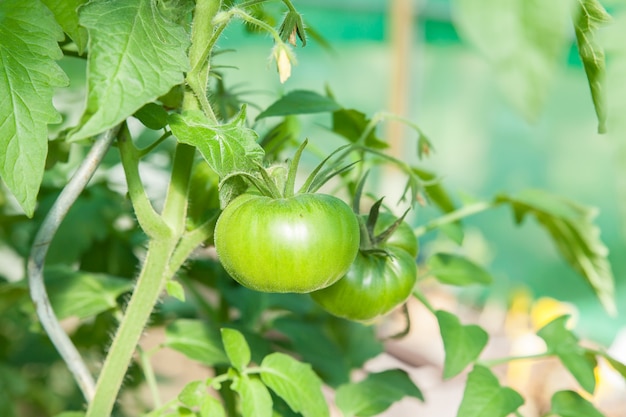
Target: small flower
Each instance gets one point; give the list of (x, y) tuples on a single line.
[(284, 58)]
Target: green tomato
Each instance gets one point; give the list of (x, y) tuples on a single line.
[(296, 244), (375, 284), (403, 237)]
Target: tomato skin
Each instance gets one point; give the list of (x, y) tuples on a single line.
[(374, 285), (297, 244), (403, 237)]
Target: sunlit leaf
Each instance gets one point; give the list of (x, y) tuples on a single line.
[(462, 343), (236, 348), (564, 344), (28, 78), (66, 14), (484, 396), (296, 383), (571, 404), (135, 56), (255, 398)]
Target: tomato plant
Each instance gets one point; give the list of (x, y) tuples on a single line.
[(131, 213)]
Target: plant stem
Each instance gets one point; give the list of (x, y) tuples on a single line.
[(148, 372), (454, 216), (422, 299), (149, 286), (495, 362), (37, 257)]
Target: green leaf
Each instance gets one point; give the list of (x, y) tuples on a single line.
[(71, 414), (211, 407), (227, 148), (66, 14), (174, 289), (454, 269), (193, 393), (82, 294), (571, 404), (462, 343), (615, 364), (152, 115), (135, 56), (296, 383), (28, 77), (524, 41), (351, 124), (484, 396), (196, 340), (376, 393), (563, 343), (300, 102), (590, 17), (256, 400), (576, 236), (236, 348)]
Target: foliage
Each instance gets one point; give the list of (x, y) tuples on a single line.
[(126, 258)]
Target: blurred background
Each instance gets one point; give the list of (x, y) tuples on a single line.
[(409, 58)]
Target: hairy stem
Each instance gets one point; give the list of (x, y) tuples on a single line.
[(44, 236)]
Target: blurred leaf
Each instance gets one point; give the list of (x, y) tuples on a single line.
[(351, 124), (81, 294), (615, 364), (454, 269), (66, 14), (71, 414), (576, 236), (300, 102), (197, 340), (523, 39), (376, 393), (484, 396), (136, 55), (311, 341), (462, 343), (564, 344), (255, 398), (211, 407), (281, 135), (28, 77), (236, 348), (296, 383), (590, 17), (571, 404), (357, 342), (152, 115)]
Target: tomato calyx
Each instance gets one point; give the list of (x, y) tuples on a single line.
[(278, 181)]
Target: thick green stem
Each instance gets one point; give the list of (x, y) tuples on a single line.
[(147, 291)]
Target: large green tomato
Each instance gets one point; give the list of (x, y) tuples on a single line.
[(375, 284), (296, 244)]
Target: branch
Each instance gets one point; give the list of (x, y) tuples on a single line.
[(44, 236)]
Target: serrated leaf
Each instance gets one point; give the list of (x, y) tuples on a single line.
[(296, 383), (197, 340), (135, 56), (300, 102), (484, 396), (462, 343), (256, 400), (351, 124), (236, 348), (376, 393), (571, 404), (576, 236), (228, 148), (28, 77), (564, 344), (66, 14), (523, 40), (454, 269), (83, 294), (590, 17)]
